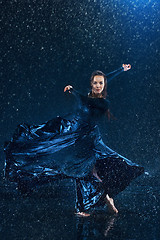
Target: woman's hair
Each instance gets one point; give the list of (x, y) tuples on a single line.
[(99, 73)]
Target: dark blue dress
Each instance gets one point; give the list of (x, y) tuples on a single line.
[(62, 148)]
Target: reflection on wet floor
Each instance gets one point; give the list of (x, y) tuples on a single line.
[(48, 213), (92, 228), (127, 225)]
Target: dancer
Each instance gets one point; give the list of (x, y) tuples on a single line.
[(74, 148)]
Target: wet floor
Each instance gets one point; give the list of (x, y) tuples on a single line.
[(48, 213)]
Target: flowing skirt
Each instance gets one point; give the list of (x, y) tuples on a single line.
[(62, 148)]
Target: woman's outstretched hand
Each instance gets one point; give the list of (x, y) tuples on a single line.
[(67, 88), (126, 67)]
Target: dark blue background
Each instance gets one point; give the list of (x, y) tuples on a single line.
[(47, 44)]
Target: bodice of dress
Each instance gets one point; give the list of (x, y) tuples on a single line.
[(90, 109)]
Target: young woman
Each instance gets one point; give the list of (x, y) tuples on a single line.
[(72, 148)]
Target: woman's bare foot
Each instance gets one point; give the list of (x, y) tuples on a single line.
[(83, 214), (110, 203)]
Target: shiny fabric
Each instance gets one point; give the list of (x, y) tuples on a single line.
[(63, 148)]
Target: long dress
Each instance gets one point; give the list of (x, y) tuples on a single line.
[(63, 148)]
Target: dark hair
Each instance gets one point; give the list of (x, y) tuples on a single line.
[(99, 73)]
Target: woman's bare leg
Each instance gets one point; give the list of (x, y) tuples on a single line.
[(110, 203), (94, 172)]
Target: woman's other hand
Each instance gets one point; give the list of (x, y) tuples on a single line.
[(67, 88), (126, 67)]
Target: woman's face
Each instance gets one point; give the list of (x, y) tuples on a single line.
[(97, 84)]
